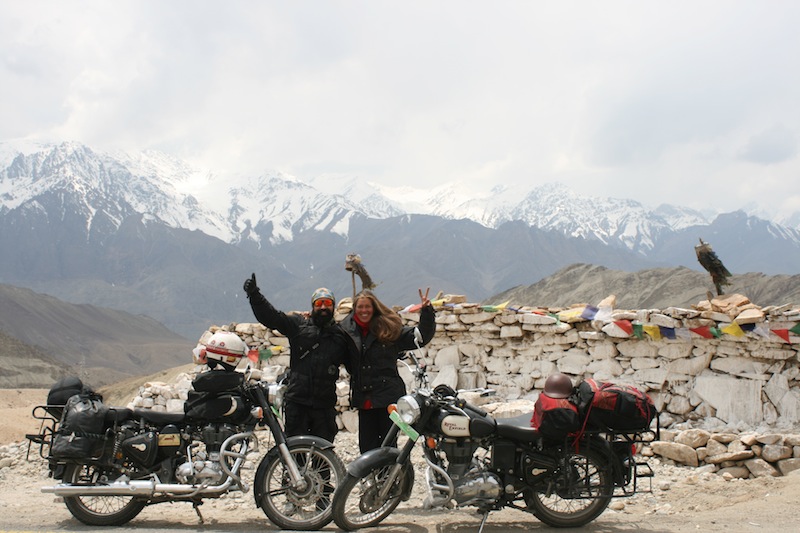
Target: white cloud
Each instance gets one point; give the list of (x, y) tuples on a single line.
[(681, 102)]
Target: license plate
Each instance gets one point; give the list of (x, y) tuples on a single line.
[(405, 428)]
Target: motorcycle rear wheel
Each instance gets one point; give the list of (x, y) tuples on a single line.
[(98, 510), (289, 508), (356, 503), (580, 491)]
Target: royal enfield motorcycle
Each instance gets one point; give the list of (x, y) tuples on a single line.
[(113, 462), (490, 464)]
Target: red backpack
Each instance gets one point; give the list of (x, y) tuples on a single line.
[(616, 407), (555, 418)]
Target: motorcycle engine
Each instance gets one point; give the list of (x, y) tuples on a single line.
[(204, 464), (473, 484), (478, 488), (199, 471)]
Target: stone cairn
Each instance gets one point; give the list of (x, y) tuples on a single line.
[(723, 374)]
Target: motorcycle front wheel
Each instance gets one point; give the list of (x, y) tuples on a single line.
[(358, 503), (99, 510), (577, 492), (306, 508)]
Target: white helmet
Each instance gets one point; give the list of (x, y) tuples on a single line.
[(226, 348)]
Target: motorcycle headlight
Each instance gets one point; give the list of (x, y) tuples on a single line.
[(408, 408), (275, 393)]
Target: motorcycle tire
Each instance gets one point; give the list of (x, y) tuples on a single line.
[(288, 508), (579, 491), (98, 510), (356, 503)]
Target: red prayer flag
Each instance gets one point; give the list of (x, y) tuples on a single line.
[(703, 331), (625, 325), (783, 334)]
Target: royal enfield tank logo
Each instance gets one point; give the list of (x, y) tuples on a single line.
[(455, 426)]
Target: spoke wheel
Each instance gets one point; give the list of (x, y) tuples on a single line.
[(358, 503), (99, 510), (300, 508), (578, 492)]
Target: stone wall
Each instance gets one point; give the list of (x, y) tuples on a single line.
[(726, 368), (725, 362)]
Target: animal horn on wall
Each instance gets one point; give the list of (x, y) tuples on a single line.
[(354, 265)]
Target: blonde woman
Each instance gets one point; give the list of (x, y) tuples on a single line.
[(377, 338)]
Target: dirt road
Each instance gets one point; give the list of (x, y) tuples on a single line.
[(682, 499)]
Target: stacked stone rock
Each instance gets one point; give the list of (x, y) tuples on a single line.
[(727, 384)]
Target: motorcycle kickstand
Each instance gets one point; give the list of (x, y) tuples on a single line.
[(483, 521), (196, 506)]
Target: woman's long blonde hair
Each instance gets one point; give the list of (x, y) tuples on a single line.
[(385, 324)]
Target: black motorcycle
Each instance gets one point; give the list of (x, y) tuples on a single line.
[(113, 462), (476, 460)]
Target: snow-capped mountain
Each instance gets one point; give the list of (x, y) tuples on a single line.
[(147, 233), (276, 207)]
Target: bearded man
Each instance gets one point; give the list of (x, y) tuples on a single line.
[(318, 347)]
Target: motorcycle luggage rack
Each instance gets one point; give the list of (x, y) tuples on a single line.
[(44, 438)]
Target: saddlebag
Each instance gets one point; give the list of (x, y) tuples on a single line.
[(213, 406), (616, 407), (81, 433), (555, 418), (217, 381), (61, 391)]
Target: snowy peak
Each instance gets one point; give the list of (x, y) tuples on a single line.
[(275, 207)]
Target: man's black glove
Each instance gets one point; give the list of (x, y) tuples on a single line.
[(250, 286)]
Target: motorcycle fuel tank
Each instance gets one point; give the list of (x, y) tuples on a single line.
[(455, 426)]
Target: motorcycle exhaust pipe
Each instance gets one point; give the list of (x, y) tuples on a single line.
[(139, 488)]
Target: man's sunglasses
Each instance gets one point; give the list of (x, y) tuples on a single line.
[(323, 302)]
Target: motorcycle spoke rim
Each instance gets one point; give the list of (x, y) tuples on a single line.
[(311, 502), (362, 505)]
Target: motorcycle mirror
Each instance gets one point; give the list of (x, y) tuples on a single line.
[(417, 337)]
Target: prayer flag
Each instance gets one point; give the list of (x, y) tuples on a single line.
[(589, 312), (638, 331), (703, 331), (783, 334), (653, 331), (733, 329), (625, 325), (669, 333)]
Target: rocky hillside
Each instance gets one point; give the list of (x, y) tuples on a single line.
[(43, 337), (657, 288)]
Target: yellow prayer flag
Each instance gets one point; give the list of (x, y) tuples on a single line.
[(653, 331), (733, 329)]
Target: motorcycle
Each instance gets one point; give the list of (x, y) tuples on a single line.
[(475, 460), (139, 457)]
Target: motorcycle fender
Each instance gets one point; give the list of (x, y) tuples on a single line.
[(382, 457), (297, 440)]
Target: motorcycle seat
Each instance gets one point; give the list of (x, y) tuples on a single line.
[(118, 414), (157, 417), (517, 428)]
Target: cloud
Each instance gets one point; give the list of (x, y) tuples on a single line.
[(420, 93), (774, 145)]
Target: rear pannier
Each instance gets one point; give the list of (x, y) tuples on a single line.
[(555, 418), (616, 407)]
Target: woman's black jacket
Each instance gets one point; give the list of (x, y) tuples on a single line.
[(373, 365), (316, 353)]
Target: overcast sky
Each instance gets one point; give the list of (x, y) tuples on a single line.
[(694, 103)]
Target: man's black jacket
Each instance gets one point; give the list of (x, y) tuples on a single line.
[(316, 353)]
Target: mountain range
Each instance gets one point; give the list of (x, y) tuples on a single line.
[(148, 234)]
